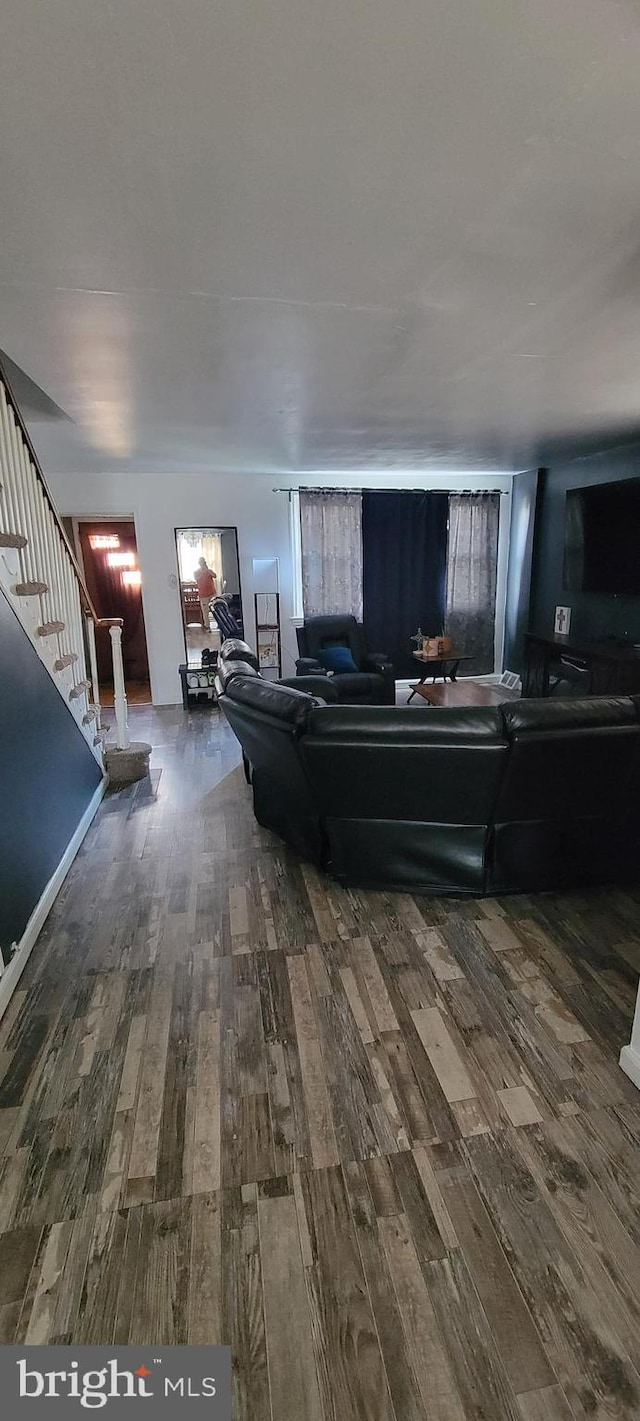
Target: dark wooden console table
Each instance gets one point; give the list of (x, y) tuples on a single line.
[(611, 669)]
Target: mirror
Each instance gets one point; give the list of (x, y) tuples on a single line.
[(209, 581)]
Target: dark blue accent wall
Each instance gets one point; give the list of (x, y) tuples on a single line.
[(593, 615), (536, 556), (47, 777)]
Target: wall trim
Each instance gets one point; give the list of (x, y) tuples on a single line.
[(14, 969), (630, 1064)]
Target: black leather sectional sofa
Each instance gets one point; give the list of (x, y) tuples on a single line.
[(533, 794)]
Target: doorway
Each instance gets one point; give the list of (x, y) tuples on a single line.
[(108, 554)]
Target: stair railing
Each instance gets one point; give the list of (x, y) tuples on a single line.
[(42, 578)]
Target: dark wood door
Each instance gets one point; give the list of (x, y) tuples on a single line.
[(114, 596)]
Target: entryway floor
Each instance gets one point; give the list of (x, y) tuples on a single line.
[(138, 694), (199, 640), (379, 1144)]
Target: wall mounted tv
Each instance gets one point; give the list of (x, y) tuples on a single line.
[(602, 538)]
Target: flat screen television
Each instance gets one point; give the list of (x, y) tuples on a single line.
[(602, 538)]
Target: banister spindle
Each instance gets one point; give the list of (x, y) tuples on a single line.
[(8, 480), (7, 490), (21, 500), (93, 666), (40, 549), (59, 614), (48, 552)]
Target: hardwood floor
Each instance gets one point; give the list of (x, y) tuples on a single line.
[(378, 1144), (138, 694)]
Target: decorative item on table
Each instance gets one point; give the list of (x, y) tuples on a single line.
[(418, 639), (436, 645)]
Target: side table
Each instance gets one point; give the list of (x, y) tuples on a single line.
[(444, 666)]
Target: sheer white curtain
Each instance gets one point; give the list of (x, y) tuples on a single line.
[(472, 561), (331, 536)]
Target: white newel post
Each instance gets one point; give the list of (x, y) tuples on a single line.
[(630, 1055), (93, 666), (119, 695)]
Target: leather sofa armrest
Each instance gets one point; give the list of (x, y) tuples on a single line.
[(308, 666), (376, 661), (319, 685), (380, 664)]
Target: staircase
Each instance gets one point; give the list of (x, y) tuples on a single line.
[(42, 581)]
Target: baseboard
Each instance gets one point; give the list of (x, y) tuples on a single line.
[(630, 1064), (13, 971)]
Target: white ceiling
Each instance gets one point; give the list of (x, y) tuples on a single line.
[(283, 234)]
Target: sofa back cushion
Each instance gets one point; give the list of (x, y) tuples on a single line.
[(268, 698), (227, 671), (408, 724), (234, 649), (581, 713), (570, 759), (568, 807), (396, 762), (406, 796)]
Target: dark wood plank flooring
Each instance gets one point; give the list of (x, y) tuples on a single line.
[(380, 1145)]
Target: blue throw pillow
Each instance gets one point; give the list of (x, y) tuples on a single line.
[(337, 658)]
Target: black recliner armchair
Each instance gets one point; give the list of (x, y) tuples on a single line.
[(372, 684)]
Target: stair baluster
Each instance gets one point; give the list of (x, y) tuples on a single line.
[(93, 665), (25, 558)]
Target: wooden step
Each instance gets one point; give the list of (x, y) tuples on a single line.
[(29, 589), (63, 661), (79, 690), (13, 540), (50, 629)]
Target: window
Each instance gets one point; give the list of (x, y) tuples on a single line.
[(331, 552), (472, 561)]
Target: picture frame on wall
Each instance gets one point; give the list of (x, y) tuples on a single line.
[(266, 581)]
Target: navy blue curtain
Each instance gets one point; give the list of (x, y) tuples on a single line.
[(404, 555)]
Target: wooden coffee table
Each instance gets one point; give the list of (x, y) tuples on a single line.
[(462, 693)]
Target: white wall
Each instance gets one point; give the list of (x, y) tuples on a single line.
[(160, 503)]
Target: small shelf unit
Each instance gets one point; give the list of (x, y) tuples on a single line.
[(267, 610)]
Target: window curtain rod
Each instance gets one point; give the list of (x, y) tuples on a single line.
[(470, 492)]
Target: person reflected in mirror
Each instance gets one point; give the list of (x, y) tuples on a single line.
[(205, 580)]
